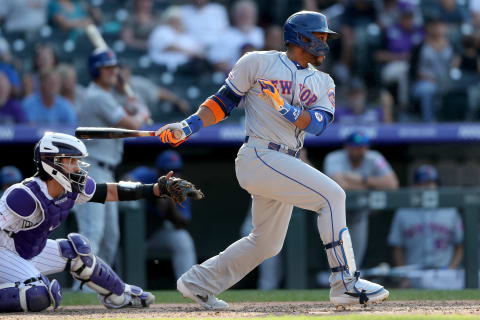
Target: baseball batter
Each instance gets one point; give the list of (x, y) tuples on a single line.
[(31, 210), (284, 97)]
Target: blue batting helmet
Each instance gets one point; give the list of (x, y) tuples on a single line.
[(357, 138), (301, 25), (101, 57), (10, 175), (169, 160), (425, 173)]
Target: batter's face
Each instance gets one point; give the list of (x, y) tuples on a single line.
[(312, 59)]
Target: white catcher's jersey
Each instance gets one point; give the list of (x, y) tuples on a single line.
[(10, 221), (306, 88)]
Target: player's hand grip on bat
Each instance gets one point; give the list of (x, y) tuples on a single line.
[(178, 189), (178, 132), (172, 133)]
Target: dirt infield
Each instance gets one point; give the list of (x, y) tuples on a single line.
[(247, 310)]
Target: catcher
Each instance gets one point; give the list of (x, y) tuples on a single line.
[(31, 210)]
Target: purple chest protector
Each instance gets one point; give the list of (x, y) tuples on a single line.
[(29, 243)]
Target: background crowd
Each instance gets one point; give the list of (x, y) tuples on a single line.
[(397, 60)]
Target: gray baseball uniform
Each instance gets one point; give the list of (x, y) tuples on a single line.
[(277, 181), (429, 236), (373, 165), (99, 222)]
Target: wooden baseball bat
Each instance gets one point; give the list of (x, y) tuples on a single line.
[(110, 133)]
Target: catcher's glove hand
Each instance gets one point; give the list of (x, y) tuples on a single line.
[(178, 189)]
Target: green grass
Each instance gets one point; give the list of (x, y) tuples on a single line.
[(343, 317), (286, 295)]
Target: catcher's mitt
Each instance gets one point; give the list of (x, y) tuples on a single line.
[(178, 189)]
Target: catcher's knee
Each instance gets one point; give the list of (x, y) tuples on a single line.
[(35, 294), (89, 269)]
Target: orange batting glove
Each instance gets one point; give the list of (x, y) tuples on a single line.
[(270, 94), (172, 134)]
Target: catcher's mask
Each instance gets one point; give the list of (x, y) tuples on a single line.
[(49, 153)]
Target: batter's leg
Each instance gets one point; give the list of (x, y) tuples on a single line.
[(284, 178), (270, 224)]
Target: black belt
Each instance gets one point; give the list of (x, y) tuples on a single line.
[(277, 147), (106, 165)]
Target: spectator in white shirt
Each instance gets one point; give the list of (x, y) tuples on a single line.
[(245, 31), (23, 15), (205, 20), (170, 45)]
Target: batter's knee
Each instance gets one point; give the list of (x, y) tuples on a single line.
[(267, 247)]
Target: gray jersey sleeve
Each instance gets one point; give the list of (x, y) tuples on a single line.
[(326, 95), (105, 106), (244, 73), (395, 237)]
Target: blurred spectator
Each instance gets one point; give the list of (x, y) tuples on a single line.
[(228, 47), (450, 12), (274, 38), (23, 15), (427, 238), (430, 67), (7, 67), (475, 12), (356, 110), (70, 89), (147, 92), (205, 21), (170, 45), (9, 175), (389, 12), (11, 110), (44, 59), (46, 106), (96, 221), (358, 15), (140, 25), (355, 167), (399, 39), (166, 221), (68, 14)]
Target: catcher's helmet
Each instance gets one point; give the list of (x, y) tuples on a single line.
[(303, 24), (101, 57), (425, 173), (47, 158), (169, 160)]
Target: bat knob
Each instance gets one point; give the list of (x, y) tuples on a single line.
[(178, 134)]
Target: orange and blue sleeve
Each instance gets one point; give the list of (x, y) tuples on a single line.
[(222, 103)]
